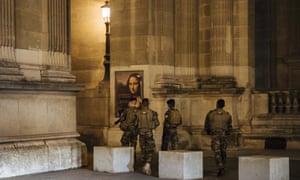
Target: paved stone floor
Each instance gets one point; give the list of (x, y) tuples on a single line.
[(209, 169)]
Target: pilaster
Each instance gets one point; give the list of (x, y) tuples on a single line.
[(186, 42), (221, 38), (57, 65), (9, 69)]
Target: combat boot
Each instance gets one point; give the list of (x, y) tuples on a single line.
[(147, 169), (220, 171)]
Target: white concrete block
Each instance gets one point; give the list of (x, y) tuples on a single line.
[(113, 159), (180, 164), (264, 168)]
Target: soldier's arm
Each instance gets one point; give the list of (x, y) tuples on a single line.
[(166, 117), (180, 121), (155, 119), (117, 121), (122, 117), (229, 125), (136, 120), (207, 124)]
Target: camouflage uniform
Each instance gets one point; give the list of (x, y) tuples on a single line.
[(147, 121), (172, 120), (128, 124), (218, 124)]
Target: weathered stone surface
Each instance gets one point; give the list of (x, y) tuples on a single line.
[(32, 157), (8, 159), (40, 156), (36, 116)]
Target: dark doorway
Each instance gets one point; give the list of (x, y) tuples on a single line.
[(275, 143)]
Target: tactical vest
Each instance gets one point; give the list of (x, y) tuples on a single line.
[(219, 120), (173, 117), (145, 119)]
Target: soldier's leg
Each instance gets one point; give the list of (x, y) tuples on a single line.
[(216, 147), (174, 139), (223, 149), (125, 139), (142, 147), (133, 139), (149, 151), (165, 140), (149, 147)]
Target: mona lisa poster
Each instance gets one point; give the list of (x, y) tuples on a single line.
[(129, 84)]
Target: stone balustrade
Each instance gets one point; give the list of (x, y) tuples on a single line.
[(284, 102)]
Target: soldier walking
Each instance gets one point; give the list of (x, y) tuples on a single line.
[(172, 120), (218, 124), (147, 122)]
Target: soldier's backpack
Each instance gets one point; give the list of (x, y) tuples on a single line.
[(145, 118), (174, 117)]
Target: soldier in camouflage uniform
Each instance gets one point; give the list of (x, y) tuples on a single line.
[(147, 122), (218, 124), (128, 124), (172, 120)]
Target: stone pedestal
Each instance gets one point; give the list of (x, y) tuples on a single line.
[(113, 159), (264, 168), (180, 164)]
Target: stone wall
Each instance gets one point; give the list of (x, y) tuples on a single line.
[(38, 91)]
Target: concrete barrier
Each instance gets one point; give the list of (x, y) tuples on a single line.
[(113, 159), (179, 164), (263, 168)]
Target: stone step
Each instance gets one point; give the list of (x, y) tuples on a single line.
[(276, 122), (275, 131)]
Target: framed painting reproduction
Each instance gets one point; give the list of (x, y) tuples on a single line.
[(128, 85)]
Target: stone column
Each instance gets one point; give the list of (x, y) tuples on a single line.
[(9, 69), (57, 33), (204, 38), (221, 51), (57, 65), (186, 42), (221, 38)]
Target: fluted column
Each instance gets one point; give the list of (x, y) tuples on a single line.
[(221, 38), (7, 38), (57, 27), (186, 41), (58, 64), (294, 27), (8, 67)]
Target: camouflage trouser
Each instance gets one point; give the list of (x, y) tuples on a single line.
[(170, 136), (129, 138), (219, 145), (147, 145)]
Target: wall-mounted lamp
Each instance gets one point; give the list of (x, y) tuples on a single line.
[(106, 17)]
